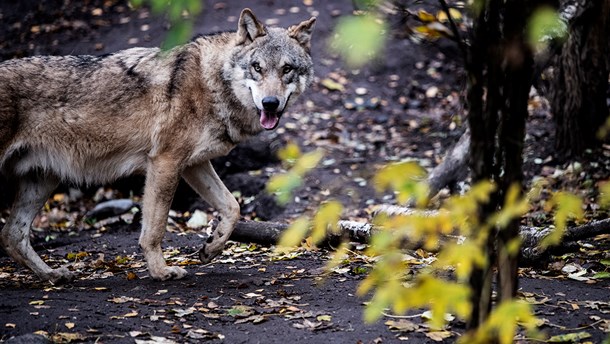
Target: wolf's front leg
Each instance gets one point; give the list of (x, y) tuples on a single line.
[(205, 181), (32, 192), (161, 181)]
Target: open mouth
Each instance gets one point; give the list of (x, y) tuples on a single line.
[(269, 120)]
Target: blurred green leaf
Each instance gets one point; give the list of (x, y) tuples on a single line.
[(358, 38), (282, 185), (179, 33), (545, 25)]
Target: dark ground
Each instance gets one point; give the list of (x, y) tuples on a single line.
[(250, 295)]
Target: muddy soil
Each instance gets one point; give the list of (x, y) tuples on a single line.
[(412, 109)]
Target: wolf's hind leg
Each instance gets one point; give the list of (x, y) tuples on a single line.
[(32, 192), (161, 182), (205, 181)]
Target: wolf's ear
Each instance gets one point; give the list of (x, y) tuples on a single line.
[(302, 32), (249, 28)]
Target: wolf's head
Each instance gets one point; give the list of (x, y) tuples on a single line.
[(269, 67)]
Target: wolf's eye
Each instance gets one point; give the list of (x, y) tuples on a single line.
[(287, 69), (256, 67)]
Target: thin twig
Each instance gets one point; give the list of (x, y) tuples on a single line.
[(563, 328), (455, 30), (402, 316)]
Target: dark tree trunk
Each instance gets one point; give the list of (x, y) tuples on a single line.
[(501, 63), (580, 81)]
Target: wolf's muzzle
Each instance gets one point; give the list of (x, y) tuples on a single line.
[(270, 104)]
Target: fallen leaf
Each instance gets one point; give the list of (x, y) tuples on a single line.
[(65, 337), (332, 85), (182, 312), (255, 319), (240, 311), (438, 336), (198, 219), (402, 325), (121, 299), (155, 340), (324, 317), (425, 16), (69, 325), (569, 337)]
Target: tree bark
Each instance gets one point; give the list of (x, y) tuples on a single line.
[(580, 81)]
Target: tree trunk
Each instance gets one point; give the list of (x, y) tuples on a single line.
[(580, 81), (501, 63)]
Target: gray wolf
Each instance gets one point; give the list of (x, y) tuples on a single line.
[(165, 114)]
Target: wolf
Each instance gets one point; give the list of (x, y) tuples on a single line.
[(164, 114)]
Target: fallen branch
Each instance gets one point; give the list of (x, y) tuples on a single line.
[(268, 233), (453, 168)]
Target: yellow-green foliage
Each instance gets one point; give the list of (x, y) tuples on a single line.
[(544, 25), (502, 323), (566, 206), (404, 178), (283, 185), (389, 283)]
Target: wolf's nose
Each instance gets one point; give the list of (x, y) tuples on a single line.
[(270, 103)]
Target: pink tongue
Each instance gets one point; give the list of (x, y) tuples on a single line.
[(269, 120)]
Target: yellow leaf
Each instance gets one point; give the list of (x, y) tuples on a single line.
[(326, 218), (69, 325), (464, 257), (503, 322), (456, 15), (568, 206), (294, 234), (65, 337), (337, 257), (332, 85), (59, 197), (37, 302), (425, 16), (290, 153), (307, 162), (323, 317), (405, 178), (427, 32), (76, 256)]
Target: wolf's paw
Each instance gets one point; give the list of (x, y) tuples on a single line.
[(206, 255), (167, 273), (59, 276)]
